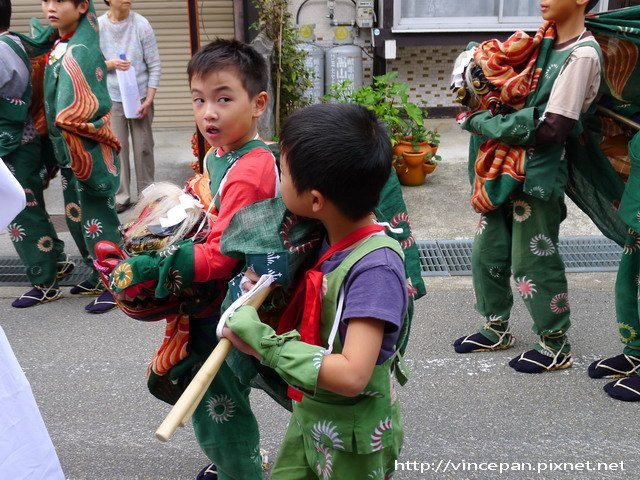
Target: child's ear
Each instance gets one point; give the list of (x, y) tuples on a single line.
[(318, 201), (83, 7), (260, 103)]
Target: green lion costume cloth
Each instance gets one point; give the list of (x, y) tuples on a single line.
[(606, 179), (25, 154), (77, 111)]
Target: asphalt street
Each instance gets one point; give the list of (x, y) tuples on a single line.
[(465, 416)]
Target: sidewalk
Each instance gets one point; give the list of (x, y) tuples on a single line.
[(439, 209)]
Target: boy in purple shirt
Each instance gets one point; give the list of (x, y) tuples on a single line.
[(342, 367)]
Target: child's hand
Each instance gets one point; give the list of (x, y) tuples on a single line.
[(249, 280), (239, 343)]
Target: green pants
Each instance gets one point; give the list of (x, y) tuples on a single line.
[(90, 218), (628, 295), (298, 460), (227, 430), (522, 236), (32, 232)]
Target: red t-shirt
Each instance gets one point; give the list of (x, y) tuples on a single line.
[(252, 178)]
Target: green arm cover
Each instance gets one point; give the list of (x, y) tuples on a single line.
[(297, 362), (517, 128)]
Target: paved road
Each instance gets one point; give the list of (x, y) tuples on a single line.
[(462, 412), (87, 373)]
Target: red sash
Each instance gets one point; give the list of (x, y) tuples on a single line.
[(304, 310)]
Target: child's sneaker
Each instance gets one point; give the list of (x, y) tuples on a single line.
[(210, 472), (625, 389), (614, 367), (479, 343), (87, 288), (534, 361), (38, 295)]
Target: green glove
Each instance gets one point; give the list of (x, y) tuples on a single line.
[(298, 363), (517, 128), (169, 270), (132, 272)]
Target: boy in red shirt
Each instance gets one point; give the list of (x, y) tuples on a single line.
[(228, 88)]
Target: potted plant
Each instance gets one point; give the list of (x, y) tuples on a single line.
[(414, 147)]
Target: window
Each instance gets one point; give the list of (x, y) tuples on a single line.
[(468, 15)]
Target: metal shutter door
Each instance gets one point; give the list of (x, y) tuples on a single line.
[(169, 21)]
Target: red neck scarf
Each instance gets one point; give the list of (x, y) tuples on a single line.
[(64, 38), (303, 312), (305, 308)]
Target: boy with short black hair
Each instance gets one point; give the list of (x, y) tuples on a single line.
[(77, 111), (521, 235), (23, 151), (341, 368), (228, 81)]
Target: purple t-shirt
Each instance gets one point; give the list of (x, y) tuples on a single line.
[(375, 287)]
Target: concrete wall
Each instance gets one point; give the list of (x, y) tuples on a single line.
[(427, 69)]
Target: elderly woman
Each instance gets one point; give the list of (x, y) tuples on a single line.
[(125, 31)]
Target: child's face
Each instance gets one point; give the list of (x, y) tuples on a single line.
[(64, 15), (559, 10), (225, 114), (295, 202)]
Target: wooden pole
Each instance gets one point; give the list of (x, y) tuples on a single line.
[(621, 118), (182, 411)]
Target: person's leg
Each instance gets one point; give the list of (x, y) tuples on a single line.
[(120, 126), (99, 222), (292, 463), (31, 232), (627, 293), (541, 281), (142, 143), (227, 430), (491, 271), (73, 216), (301, 459)]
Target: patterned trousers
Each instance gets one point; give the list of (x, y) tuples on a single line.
[(298, 460), (227, 430), (628, 295), (90, 218), (522, 236), (32, 232)]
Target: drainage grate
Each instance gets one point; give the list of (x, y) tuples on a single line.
[(580, 254), (431, 259), (437, 258), (12, 272), (589, 254)]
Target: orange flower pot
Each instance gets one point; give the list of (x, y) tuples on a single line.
[(412, 167)]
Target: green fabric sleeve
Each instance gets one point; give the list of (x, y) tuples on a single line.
[(297, 362), (176, 269), (134, 270), (517, 128), (172, 268)]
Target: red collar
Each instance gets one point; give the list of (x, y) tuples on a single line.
[(64, 38)]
